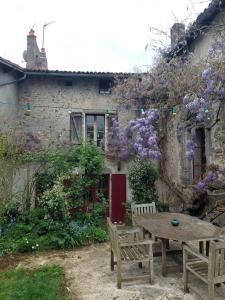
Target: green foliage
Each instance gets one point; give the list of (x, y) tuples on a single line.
[(26, 284), (54, 201), (86, 158), (10, 161), (90, 159), (59, 220), (142, 176)]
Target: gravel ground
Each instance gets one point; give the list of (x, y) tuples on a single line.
[(88, 276)]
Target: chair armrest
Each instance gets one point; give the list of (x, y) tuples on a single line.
[(191, 251), (131, 230), (137, 243)]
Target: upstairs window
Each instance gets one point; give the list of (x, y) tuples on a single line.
[(95, 129), (104, 86), (76, 128)]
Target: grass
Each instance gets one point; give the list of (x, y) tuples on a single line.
[(44, 283)]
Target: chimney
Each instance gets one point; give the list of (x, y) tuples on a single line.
[(177, 32), (35, 59)]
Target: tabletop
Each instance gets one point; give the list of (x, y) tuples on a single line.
[(190, 228)]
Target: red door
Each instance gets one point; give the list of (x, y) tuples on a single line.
[(118, 197)]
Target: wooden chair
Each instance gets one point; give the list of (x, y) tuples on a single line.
[(129, 252), (142, 209), (210, 269)]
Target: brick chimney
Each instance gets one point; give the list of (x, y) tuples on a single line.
[(177, 32), (35, 59)]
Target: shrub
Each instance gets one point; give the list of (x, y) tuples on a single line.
[(54, 201), (142, 176)]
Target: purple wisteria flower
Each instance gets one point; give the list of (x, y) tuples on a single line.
[(206, 74), (201, 185), (186, 99), (212, 177)]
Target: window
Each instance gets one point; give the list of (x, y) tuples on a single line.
[(75, 128), (104, 86), (68, 83), (193, 170), (199, 162), (95, 129)]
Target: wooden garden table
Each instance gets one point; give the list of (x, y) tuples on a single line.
[(189, 229)]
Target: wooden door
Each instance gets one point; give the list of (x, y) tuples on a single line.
[(118, 197)]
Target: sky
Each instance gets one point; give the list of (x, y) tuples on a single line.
[(92, 35)]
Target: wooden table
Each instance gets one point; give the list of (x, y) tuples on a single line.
[(189, 229)]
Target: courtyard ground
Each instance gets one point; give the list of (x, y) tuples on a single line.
[(88, 276)]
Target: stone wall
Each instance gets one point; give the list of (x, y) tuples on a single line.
[(9, 99), (52, 102), (176, 186)]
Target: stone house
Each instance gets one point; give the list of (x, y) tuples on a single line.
[(72, 106), (177, 186), (66, 107), (10, 74)]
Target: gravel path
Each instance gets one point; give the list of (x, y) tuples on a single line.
[(88, 277)]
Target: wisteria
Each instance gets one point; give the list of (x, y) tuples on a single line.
[(201, 86), (212, 176), (145, 136), (211, 88), (199, 106), (139, 137)]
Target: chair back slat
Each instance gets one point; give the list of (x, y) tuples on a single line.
[(140, 209), (222, 262)]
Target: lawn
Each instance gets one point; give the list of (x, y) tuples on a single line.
[(44, 283)]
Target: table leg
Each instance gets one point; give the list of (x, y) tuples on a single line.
[(164, 243)]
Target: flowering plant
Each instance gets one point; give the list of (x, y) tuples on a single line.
[(214, 177), (139, 138)]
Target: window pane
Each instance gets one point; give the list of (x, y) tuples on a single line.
[(100, 122), (75, 128), (90, 127), (100, 130)]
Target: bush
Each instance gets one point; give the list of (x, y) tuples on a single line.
[(54, 201), (61, 219), (142, 176)]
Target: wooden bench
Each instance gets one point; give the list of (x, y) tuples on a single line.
[(210, 269), (129, 252)]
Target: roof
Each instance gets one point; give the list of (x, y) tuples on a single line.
[(11, 65), (200, 24), (75, 73), (60, 73)]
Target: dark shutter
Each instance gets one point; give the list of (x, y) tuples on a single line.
[(76, 128)]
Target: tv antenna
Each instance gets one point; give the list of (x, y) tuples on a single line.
[(43, 32)]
